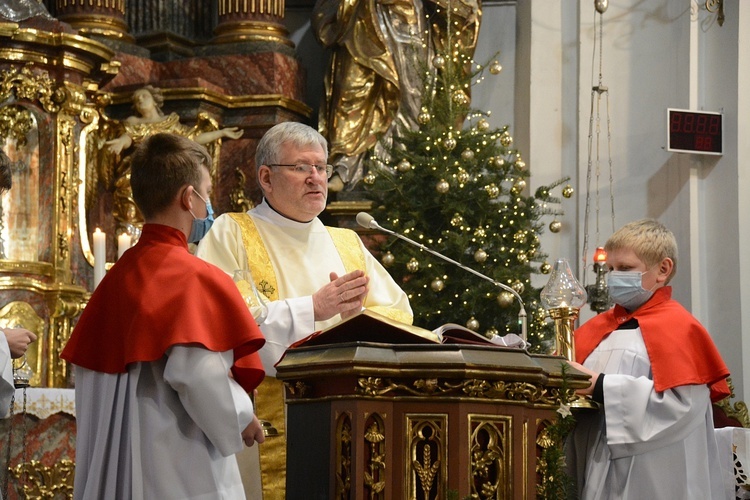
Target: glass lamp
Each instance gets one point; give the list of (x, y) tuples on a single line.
[(563, 297)]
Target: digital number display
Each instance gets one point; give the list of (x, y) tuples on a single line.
[(694, 132)]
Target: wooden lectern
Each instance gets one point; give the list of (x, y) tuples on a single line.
[(414, 419)]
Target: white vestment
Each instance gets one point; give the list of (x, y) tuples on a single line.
[(643, 444), (167, 429), (6, 370), (302, 255)]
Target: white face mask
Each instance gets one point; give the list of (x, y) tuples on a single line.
[(626, 289)]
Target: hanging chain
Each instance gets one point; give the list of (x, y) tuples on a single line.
[(594, 154)]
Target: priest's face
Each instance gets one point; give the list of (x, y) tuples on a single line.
[(296, 194)]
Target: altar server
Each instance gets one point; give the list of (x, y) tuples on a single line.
[(165, 351), (655, 370)]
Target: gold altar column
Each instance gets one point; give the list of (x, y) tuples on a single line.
[(251, 21), (105, 18)]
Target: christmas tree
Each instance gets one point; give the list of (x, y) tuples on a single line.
[(455, 185)]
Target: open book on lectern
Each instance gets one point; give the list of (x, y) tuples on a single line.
[(369, 326)]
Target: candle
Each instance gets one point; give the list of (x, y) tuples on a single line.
[(123, 243), (100, 255)]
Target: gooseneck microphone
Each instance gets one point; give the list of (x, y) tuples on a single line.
[(368, 221)]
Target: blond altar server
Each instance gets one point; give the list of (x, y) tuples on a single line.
[(313, 276)]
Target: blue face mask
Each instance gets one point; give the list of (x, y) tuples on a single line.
[(201, 226), (626, 289)]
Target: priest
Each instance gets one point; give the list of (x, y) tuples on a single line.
[(312, 275)]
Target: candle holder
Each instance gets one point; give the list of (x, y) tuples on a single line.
[(562, 297), (598, 293)]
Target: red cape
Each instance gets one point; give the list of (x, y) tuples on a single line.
[(156, 296), (680, 349)]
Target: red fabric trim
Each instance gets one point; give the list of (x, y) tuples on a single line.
[(680, 349), (156, 296)]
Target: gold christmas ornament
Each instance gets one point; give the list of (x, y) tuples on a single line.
[(388, 259), (437, 285), (463, 176), (522, 258), (491, 332), (506, 140), (518, 287), (480, 232), (413, 265), (460, 97), (499, 162), (449, 143), (505, 299), (555, 226), (483, 125), (568, 191), (495, 67), (438, 61), (467, 154), (457, 220), (369, 179), (492, 190), (520, 237), (601, 6), (442, 186), (472, 324), (424, 116), (403, 165), (480, 255), (520, 164), (545, 268)]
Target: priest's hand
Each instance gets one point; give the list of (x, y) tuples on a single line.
[(344, 295), (587, 391), (253, 433), (18, 340)]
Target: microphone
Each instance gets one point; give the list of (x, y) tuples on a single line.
[(368, 221)]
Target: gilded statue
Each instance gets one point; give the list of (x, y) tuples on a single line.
[(374, 82), (148, 120)]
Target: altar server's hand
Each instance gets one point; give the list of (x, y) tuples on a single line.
[(18, 340), (253, 433), (587, 391), (344, 295)]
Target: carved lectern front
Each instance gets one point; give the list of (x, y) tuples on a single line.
[(417, 421)]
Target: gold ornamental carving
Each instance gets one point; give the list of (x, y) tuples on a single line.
[(497, 390), (25, 85), (343, 456), (491, 456), (427, 467), (375, 456), (41, 481)]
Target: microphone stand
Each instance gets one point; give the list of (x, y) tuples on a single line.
[(366, 220)]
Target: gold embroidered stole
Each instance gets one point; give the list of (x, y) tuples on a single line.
[(269, 401)]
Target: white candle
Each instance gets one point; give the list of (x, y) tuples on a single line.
[(100, 255), (123, 243)]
